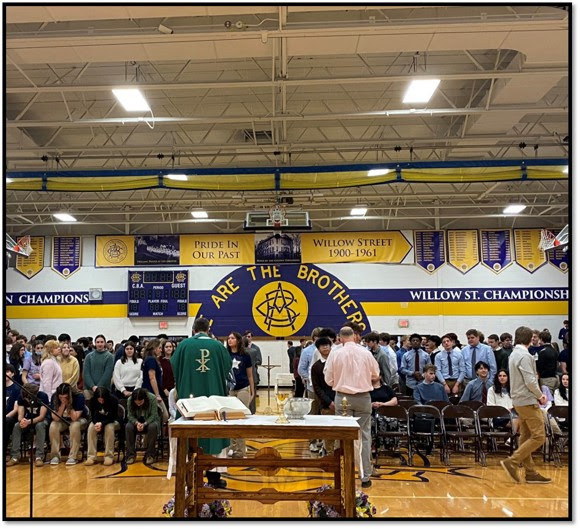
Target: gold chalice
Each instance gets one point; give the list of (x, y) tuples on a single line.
[(281, 399)]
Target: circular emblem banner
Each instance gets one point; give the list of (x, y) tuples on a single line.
[(279, 301)]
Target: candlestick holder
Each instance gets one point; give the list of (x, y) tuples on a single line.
[(344, 405)]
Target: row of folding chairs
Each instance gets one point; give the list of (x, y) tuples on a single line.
[(449, 428)]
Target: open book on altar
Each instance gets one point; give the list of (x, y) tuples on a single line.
[(212, 408)]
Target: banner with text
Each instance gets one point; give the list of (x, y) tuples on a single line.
[(496, 249), (34, 263), (463, 249), (355, 247), (528, 255), (156, 250), (66, 255), (430, 250), (279, 301), (230, 249), (115, 250), (558, 258)]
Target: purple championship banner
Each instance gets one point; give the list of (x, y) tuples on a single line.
[(430, 250), (558, 258), (496, 249), (66, 255)]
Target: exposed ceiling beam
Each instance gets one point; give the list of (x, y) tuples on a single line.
[(379, 114), (489, 74)]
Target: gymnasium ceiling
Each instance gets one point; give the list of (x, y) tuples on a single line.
[(284, 87)]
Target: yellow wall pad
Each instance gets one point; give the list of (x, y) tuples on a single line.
[(466, 308), (51, 312)]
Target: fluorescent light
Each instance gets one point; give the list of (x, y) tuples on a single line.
[(565, 171), (358, 212), (514, 209), (420, 91), (64, 217), (378, 172), (182, 177), (132, 100), (199, 214)]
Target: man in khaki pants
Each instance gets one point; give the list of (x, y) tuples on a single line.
[(526, 394)]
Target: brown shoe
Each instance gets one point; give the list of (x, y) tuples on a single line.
[(511, 470), (39, 462), (537, 478), (149, 460), (12, 462)]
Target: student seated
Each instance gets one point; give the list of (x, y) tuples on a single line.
[(478, 388), (104, 412), (31, 414), (429, 389), (143, 418), (561, 394), (69, 403), (500, 396), (12, 396)]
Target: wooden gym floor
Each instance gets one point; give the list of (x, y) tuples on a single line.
[(463, 489)]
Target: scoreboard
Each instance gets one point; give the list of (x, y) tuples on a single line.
[(158, 293)]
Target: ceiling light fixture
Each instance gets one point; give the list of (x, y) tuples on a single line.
[(378, 172), (200, 214), (421, 91), (64, 217), (359, 211), (514, 209), (181, 177), (132, 99), (164, 29)]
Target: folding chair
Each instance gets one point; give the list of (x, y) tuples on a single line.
[(425, 427), (455, 431), (439, 404), (391, 431), (494, 423), (472, 404), (557, 441)]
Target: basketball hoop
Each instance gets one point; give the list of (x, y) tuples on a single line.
[(21, 247), (548, 240), (277, 216)]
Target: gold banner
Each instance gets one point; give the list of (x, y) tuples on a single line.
[(363, 246), (228, 249), (463, 249), (528, 255), (34, 263), (115, 250)]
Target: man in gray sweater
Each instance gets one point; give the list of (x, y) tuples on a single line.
[(526, 396)]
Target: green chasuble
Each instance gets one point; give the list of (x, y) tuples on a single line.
[(200, 368)]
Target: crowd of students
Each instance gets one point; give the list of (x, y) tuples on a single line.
[(86, 381), (83, 384)]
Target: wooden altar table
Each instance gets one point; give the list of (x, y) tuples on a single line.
[(190, 470)]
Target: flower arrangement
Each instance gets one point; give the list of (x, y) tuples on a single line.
[(318, 509), (215, 509)]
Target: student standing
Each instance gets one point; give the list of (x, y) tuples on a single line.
[(527, 398)]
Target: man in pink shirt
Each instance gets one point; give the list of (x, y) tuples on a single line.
[(352, 372)]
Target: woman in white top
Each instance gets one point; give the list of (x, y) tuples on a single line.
[(50, 371), (127, 375), (499, 395), (561, 394)]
